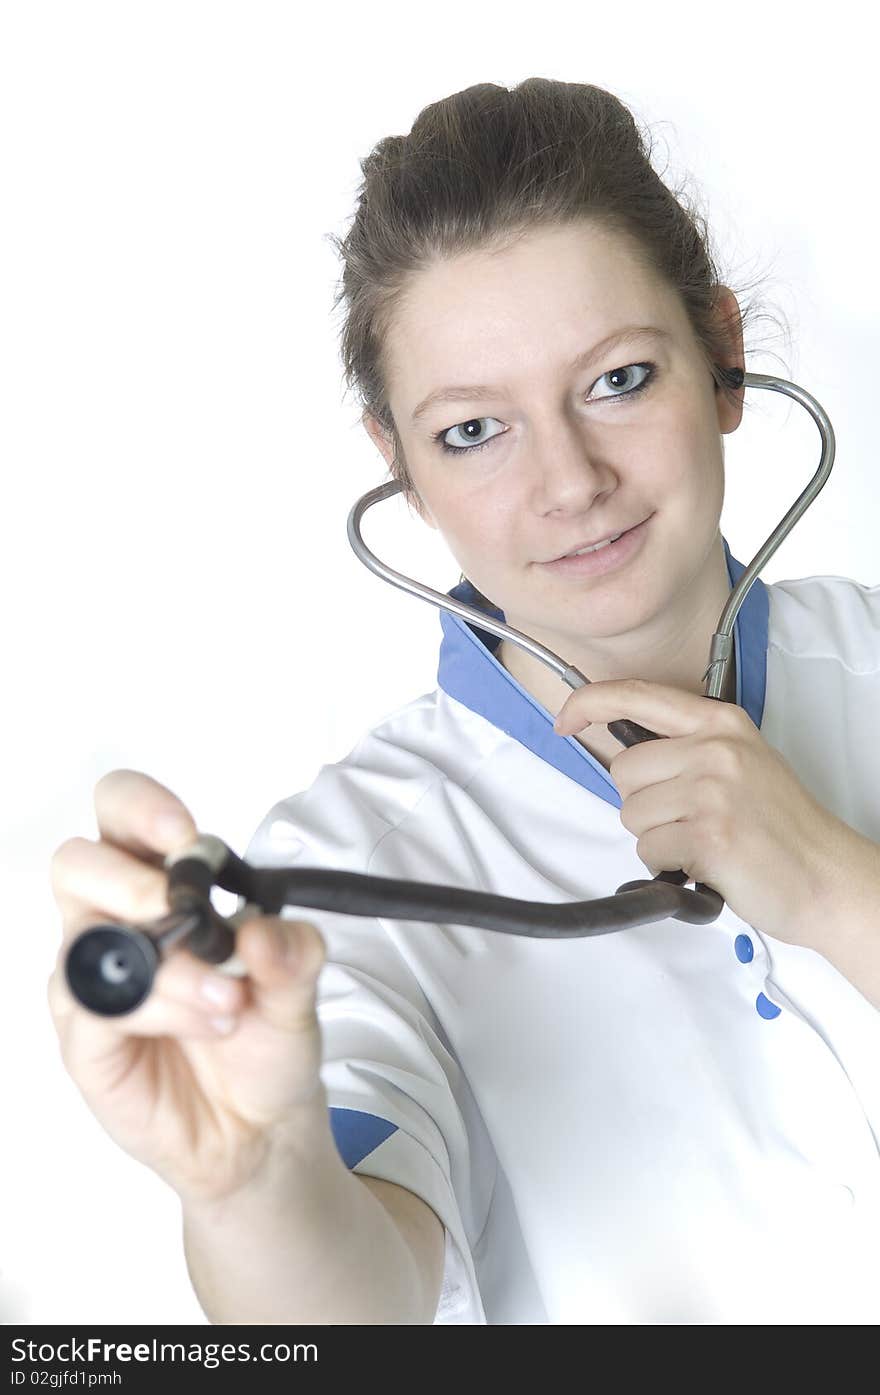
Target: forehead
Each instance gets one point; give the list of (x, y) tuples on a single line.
[(496, 310)]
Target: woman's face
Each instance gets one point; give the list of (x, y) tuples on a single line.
[(570, 453)]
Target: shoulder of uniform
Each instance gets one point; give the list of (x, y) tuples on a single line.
[(830, 617), (356, 801)]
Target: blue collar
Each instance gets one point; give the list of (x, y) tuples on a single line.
[(470, 673)]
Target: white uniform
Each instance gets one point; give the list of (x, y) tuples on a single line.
[(671, 1124)]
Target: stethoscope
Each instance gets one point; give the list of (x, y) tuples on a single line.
[(110, 967)]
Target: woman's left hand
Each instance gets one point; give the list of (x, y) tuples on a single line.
[(716, 801)]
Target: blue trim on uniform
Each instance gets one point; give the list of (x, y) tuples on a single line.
[(356, 1134), (750, 638), (470, 673)]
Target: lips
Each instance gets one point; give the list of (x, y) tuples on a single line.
[(615, 533), (600, 561)]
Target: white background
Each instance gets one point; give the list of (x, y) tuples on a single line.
[(178, 459)]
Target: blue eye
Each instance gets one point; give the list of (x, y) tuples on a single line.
[(464, 426), (649, 370)]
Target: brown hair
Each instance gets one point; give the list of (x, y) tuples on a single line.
[(488, 164)]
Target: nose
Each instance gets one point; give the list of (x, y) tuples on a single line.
[(566, 471)]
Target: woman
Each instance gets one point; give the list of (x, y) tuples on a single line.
[(397, 1122)]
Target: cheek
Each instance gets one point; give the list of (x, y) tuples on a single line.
[(694, 477), (482, 541), (478, 539), (478, 519)]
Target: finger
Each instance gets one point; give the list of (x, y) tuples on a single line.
[(656, 805), (636, 768), (283, 959), (669, 849), (184, 999), (664, 710), (135, 812), (181, 977), (184, 978), (91, 1043), (108, 882), (96, 883)]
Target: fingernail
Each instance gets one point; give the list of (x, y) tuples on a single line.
[(219, 991), (223, 1025)]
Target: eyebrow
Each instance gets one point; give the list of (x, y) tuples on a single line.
[(477, 391)]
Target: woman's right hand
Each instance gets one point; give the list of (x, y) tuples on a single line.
[(206, 1077)]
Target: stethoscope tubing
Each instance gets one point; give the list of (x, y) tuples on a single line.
[(110, 967)]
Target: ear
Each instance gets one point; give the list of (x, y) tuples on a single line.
[(381, 438), (728, 314)]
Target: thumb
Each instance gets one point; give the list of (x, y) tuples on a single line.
[(283, 959)]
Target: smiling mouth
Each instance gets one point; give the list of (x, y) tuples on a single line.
[(595, 547)]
